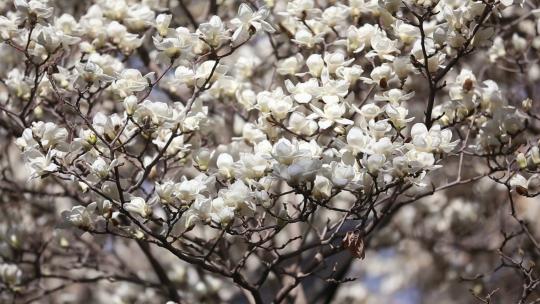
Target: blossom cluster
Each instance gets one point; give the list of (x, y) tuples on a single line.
[(178, 130)]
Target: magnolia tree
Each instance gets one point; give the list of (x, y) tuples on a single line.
[(300, 151)]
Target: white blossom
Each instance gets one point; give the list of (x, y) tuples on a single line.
[(247, 20), (138, 205)]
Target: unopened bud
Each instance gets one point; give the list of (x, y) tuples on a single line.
[(526, 104), (130, 104), (535, 155), (521, 161)]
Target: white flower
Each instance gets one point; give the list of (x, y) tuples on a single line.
[(407, 33), (40, 164), (332, 113), (402, 66), (303, 92), (335, 15), (213, 32), (315, 64), (433, 61), (107, 125), (202, 158), (375, 162), (368, 111), (358, 141), (26, 141), (350, 74), (285, 151), (177, 43), (119, 35), (80, 216), (130, 81), (497, 50), (397, 115), (238, 196), (115, 10), (335, 60), (52, 39), (380, 75), (198, 211), (209, 70), (302, 169), (225, 164), (252, 134), (332, 91), (299, 7), (263, 149), (221, 213), (33, 8), (138, 17), (8, 27), (420, 160), (10, 274), (300, 124), (394, 96), (379, 128), (434, 140), (17, 83), (341, 174), (400, 166), (188, 190), (138, 205), (252, 165), (246, 65), (280, 108), (265, 99), (48, 133), (322, 187), (519, 43), (383, 146), (166, 191), (249, 22), (100, 167), (185, 75), (155, 112), (307, 39), (246, 98), (382, 46), (90, 74), (290, 65), (360, 38), (521, 160)]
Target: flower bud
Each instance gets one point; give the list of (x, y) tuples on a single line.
[(521, 161), (38, 111), (526, 104), (162, 23), (535, 155), (130, 104)]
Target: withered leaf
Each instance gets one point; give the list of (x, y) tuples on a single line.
[(354, 242)]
